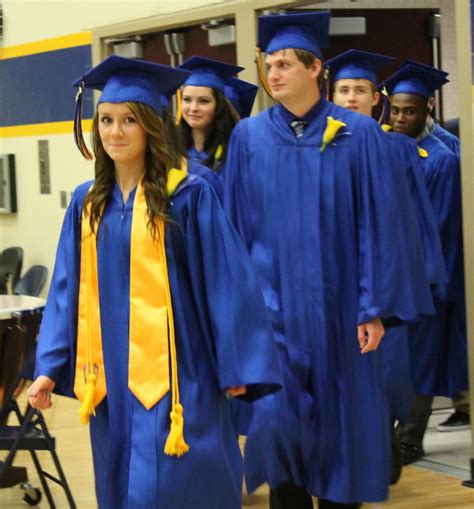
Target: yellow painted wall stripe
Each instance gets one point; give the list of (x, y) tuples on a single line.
[(42, 129), (56, 43)]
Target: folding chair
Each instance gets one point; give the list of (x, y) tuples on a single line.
[(32, 282), (11, 261), (17, 353)]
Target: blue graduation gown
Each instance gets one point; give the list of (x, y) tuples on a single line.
[(211, 177), (449, 139), (223, 339), (394, 349), (200, 156), (438, 344), (320, 229)]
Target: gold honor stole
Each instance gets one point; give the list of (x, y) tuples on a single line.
[(151, 321)]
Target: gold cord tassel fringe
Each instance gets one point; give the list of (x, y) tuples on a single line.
[(175, 443)]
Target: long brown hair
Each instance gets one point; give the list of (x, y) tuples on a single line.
[(225, 119), (159, 158)]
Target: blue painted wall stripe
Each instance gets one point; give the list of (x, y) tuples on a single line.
[(37, 88)]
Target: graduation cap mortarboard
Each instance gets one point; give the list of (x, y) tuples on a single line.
[(130, 80), (415, 79), (357, 64), (308, 31), (126, 80), (242, 95), (425, 66), (206, 72)]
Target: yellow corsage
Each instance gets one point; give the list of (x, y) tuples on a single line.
[(218, 153), (386, 128), (332, 128), (422, 152)]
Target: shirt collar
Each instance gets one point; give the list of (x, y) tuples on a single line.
[(310, 115), (426, 132)]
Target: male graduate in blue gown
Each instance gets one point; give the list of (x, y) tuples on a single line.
[(437, 344), (328, 226), (450, 139), (353, 75), (459, 420)]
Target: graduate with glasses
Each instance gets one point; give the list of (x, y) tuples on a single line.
[(154, 317)]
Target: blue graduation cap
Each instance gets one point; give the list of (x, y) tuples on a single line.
[(206, 72), (357, 64), (126, 80), (425, 66), (417, 79), (130, 80), (242, 95), (308, 31)]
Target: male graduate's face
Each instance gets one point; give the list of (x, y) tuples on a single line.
[(356, 95), (288, 77), (408, 114)]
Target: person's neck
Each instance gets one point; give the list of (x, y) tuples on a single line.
[(300, 106), (422, 134), (199, 138), (127, 177)]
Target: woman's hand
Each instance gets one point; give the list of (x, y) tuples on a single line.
[(39, 393), (238, 390)]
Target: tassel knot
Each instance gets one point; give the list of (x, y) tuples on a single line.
[(175, 443)]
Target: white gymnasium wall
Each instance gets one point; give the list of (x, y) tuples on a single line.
[(36, 226)]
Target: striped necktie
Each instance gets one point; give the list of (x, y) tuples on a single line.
[(298, 128)]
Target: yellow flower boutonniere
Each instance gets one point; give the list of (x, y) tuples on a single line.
[(386, 128), (332, 128), (218, 153), (422, 152)]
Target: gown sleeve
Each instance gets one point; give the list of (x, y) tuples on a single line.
[(392, 279), (226, 292), (406, 155), (237, 191), (208, 175), (444, 188), (56, 351)]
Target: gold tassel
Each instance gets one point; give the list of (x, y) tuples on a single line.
[(326, 82), (261, 73), (385, 104), (87, 407), (179, 107), (78, 135), (175, 443)]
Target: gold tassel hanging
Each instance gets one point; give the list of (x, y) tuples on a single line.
[(261, 73), (87, 407), (385, 104), (179, 106), (78, 134)]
